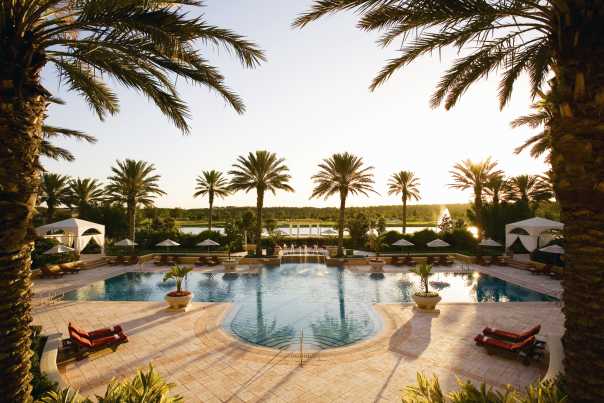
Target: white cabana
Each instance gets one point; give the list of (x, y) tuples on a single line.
[(72, 233), (533, 232)]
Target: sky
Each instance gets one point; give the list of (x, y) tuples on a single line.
[(308, 101)]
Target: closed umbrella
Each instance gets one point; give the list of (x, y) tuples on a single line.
[(59, 249), (209, 243)]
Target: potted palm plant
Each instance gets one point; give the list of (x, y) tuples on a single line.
[(229, 263), (425, 299), (178, 299), (376, 262)]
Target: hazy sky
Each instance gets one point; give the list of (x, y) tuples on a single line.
[(308, 101)]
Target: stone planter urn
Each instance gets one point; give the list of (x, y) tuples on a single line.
[(426, 302), (230, 264), (377, 265), (178, 300)]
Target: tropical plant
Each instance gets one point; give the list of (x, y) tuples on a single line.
[(406, 184), (342, 174), (142, 45), (560, 45), (428, 390), (540, 143), (424, 271), (496, 187), (358, 225), (133, 183), (211, 183), (85, 192), (529, 189), (261, 171), (54, 191), (179, 274), (144, 387)]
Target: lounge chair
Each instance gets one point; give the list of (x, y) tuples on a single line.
[(430, 260), (202, 261), (524, 350), (409, 261), (547, 269), (96, 340), (71, 267), (213, 261), (98, 333), (163, 261), (51, 271), (395, 261), (443, 260), (481, 261), (133, 260), (118, 260), (511, 336)]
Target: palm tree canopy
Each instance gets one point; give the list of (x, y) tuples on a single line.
[(211, 182), (404, 183), (261, 170), (473, 175), (512, 37), (496, 186), (532, 188), (134, 181), (54, 152), (543, 114), (85, 191), (343, 174), (135, 43), (54, 189)]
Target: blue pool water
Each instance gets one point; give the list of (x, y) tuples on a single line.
[(331, 306)]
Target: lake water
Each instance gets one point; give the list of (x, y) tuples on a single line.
[(304, 230)]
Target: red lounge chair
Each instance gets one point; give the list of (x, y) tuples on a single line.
[(95, 334), (85, 344), (524, 350), (511, 336), (409, 261)]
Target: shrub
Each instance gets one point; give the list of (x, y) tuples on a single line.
[(40, 382), (39, 259), (462, 240)]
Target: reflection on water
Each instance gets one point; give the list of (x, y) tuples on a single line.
[(331, 306)]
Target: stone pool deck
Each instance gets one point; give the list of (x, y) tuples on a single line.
[(207, 364)]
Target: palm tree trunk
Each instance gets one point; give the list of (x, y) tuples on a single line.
[(259, 205), (341, 225), (21, 116), (211, 201), (131, 213), (404, 214), (50, 212)]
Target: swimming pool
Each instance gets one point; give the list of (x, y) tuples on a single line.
[(331, 306)]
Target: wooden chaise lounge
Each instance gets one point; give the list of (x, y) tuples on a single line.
[(53, 271), (443, 260), (480, 260), (524, 350), (513, 337), (71, 267), (85, 342), (164, 260), (409, 261)]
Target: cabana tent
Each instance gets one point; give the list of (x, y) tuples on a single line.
[(72, 233), (533, 232)]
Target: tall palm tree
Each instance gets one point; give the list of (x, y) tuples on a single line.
[(211, 183), (406, 184), (54, 152), (342, 174), (261, 171), (540, 143), (133, 183), (54, 192), (560, 44), (85, 192), (496, 187), (143, 45), (529, 189), (474, 175)]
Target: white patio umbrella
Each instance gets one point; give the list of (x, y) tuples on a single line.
[(437, 243), (489, 242), (167, 243), (125, 242), (556, 249), (59, 249), (209, 243), (329, 231), (402, 243)]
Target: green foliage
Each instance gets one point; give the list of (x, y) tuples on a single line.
[(424, 271), (40, 382), (357, 226), (178, 273), (112, 217), (144, 387), (428, 390), (462, 240), (39, 259)]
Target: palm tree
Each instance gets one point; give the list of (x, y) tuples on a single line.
[(51, 151), (342, 174), (474, 175), (261, 171), (143, 45), (540, 143), (529, 189), (211, 183), (54, 191), (559, 44), (133, 183), (496, 187), (85, 192), (406, 184)]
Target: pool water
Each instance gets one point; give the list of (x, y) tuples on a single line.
[(331, 307)]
